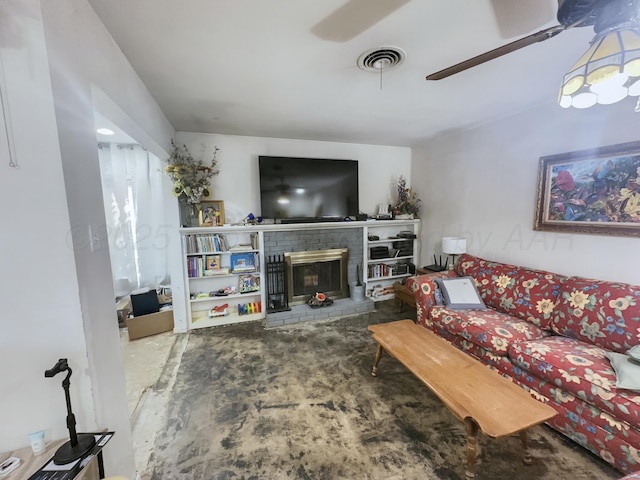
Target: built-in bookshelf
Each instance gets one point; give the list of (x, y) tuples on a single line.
[(223, 274), (390, 255)]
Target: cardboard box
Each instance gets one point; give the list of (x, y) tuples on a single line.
[(123, 309), (146, 325)]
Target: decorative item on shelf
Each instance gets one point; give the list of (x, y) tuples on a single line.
[(251, 219), (249, 308), (243, 262), (188, 213), (191, 181), (407, 204), (219, 311), (248, 283), (454, 246), (211, 213)]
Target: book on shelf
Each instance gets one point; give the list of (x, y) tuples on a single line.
[(195, 267), (212, 262), (211, 272), (241, 247), (243, 262), (205, 242)]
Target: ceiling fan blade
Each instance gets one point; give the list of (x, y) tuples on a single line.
[(540, 36), (353, 18)]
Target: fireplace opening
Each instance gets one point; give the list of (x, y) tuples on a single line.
[(315, 271)]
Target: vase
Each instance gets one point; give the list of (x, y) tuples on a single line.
[(404, 216), (188, 214)]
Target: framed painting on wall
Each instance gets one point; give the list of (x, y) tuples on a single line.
[(590, 191), (211, 213)]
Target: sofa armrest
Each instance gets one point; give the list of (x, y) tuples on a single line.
[(424, 287)]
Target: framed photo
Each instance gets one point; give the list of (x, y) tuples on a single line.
[(590, 191), (248, 283), (211, 213)]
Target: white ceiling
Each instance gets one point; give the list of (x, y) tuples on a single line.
[(261, 68)]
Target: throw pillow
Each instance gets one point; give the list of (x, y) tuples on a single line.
[(634, 352), (460, 293), (627, 371)]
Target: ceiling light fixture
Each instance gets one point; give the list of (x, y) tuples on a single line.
[(105, 131), (610, 69)]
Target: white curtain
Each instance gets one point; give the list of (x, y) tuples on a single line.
[(132, 191)]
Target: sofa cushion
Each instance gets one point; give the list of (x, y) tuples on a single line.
[(489, 329), (602, 313), (492, 279), (535, 296), (528, 294), (580, 369)]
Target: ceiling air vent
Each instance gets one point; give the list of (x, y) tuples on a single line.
[(381, 58)]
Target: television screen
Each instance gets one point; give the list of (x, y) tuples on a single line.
[(293, 188)]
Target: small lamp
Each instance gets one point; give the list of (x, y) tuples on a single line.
[(454, 246)]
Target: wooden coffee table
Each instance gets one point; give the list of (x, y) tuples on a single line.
[(481, 398)]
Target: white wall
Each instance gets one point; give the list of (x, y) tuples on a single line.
[(238, 184), (482, 183), (57, 293), (41, 318)]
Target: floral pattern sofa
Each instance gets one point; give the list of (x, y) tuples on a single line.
[(550, 334)]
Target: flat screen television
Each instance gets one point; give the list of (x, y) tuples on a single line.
[(294, 189)]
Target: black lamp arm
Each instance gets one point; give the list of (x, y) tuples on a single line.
[(61, 366)]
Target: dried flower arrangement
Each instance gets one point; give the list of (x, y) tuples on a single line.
[(191, 178), (407, 202)]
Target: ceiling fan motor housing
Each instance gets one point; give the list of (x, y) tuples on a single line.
[(616, 13), (603, 14), (572, 11)]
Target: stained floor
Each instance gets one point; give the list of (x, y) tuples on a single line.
[(298, 402)]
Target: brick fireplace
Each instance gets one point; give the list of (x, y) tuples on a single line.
[(312, 240)]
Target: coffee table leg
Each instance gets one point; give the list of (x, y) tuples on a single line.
[(525, 446), (472, 442), (374, 372)]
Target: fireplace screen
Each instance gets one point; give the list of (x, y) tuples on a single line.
[(317, 271)]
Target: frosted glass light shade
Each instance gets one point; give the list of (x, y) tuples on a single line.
[(454, 245)]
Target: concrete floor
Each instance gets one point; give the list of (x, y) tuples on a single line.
[(145, 361), (151, 365)]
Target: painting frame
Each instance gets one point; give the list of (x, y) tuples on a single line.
[(594, 191), (211, 213)]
